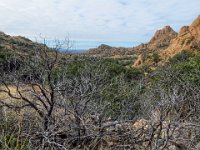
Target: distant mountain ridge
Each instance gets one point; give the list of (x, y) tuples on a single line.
[(104, 49)]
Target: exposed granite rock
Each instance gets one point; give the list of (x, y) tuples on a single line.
[(188, 39), (160, 40)]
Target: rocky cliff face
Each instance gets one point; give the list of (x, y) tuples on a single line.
[(188, 39), (167, 43), (161, 40)]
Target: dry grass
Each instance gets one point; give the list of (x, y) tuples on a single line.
[(4, 95), (6, 92)]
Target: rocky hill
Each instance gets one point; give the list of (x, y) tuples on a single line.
[(16, 51), (160, 40), (163, 45), (166, 43), (107, 50), (188, 39)]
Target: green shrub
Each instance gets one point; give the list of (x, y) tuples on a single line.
[(190, 70), (74, 69), (156, 57), (5, 55), (181, 57)]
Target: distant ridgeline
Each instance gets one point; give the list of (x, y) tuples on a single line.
[(84, 45), (18, 44)]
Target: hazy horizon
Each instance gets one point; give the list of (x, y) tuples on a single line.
[(83, 45)]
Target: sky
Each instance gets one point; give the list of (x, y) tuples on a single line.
[(95, 20)]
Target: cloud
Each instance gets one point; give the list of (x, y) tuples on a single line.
[(113, 20)]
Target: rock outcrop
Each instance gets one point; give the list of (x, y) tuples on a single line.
[(161, 40), (139, 61), (167, 43), (188, 39)]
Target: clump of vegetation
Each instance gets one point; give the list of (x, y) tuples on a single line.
[(156, 57), (181, 57)]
